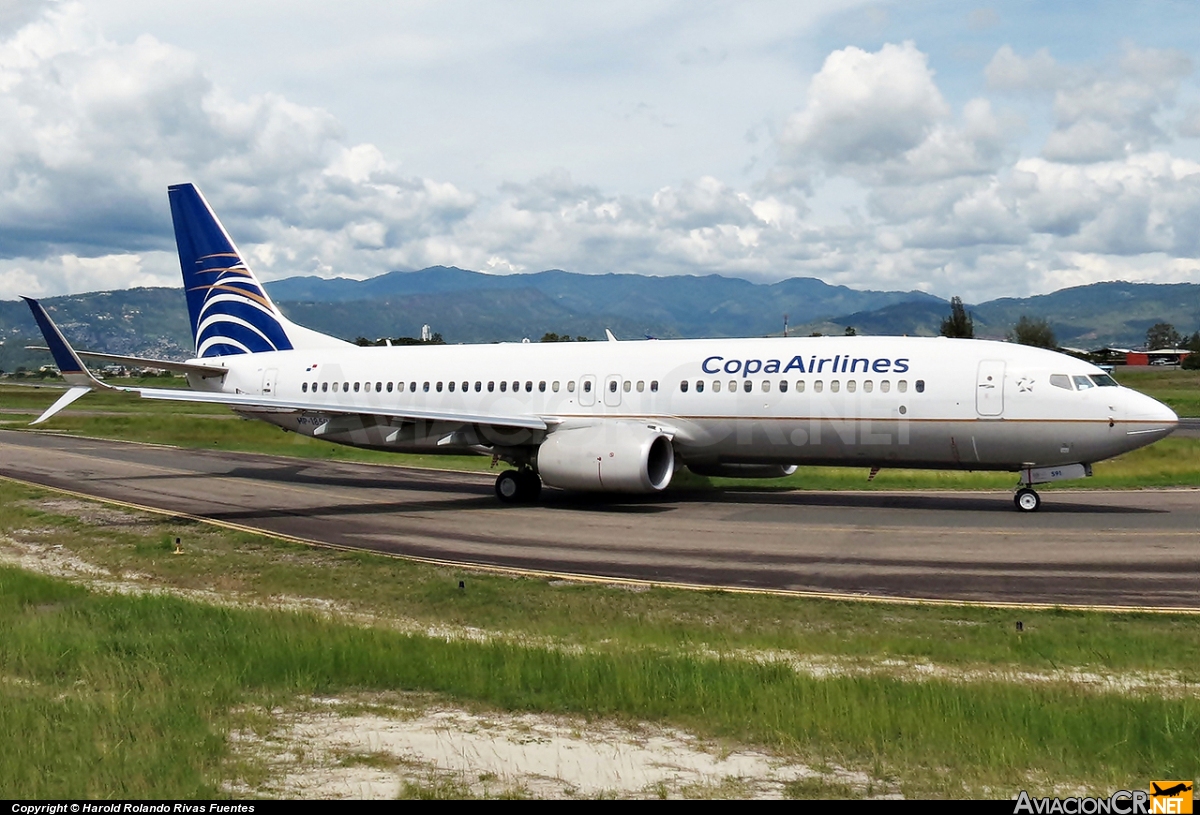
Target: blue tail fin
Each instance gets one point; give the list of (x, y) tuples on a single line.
[(230, 311)]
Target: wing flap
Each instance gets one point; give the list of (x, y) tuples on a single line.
[(250, 401)]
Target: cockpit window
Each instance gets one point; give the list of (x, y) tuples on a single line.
[(1104, 380), (1061, 381), (1083, 383)]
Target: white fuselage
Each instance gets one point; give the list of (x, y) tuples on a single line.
[(872, 401)]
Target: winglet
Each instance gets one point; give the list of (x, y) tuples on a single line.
[(69, 365), (610, 336)]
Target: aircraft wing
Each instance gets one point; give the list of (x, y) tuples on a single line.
[(249, 401), (165, 364)]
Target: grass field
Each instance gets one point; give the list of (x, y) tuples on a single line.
[(135, 694)]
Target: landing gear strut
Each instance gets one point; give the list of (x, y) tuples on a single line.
[(1027, 499), (518, 486)]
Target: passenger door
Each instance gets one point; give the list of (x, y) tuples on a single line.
[(268, 383)]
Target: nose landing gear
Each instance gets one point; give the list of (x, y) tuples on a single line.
[(1026, 499), (518, 486)]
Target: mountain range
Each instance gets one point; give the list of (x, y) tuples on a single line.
[(466, 306)]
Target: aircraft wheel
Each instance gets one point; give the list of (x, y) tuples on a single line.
[(509, 486), (1027, 500), (531, 486)]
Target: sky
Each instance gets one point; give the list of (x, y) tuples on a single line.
[(1006, 149)]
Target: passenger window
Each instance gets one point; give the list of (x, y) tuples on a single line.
[(529, 386), (571, 386), (612, 386), (412, 386), (389, 389), (747, 386), (885, 386), (835, 386), (492, 386), (425, 387), (554, 386), (304, 388), (451, 386), (799, 386), (654, 386), (356, 387), (920, 386), (683, 386), (902, 386), (439, 387), (587, 386), (733, 386), (641, 385), (504, 387), (783, 386), (818, 386), (324, 387), (699, 386), (851, 386), (766, 385), (379, 387), (1082, 383), (516, 387), (716, 386), (466, 386), (400, 387), (542, 387), (868, 385), (478, 386), (627, 386)]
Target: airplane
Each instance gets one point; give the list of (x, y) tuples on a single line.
[(622, 416), (1170, 792)]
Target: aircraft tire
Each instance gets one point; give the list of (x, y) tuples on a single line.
[(1027, 500), (531, 486), (509, 486)]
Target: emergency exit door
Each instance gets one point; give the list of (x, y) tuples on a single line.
[(989, 388)]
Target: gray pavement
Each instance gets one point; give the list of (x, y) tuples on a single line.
[(1130, 548)]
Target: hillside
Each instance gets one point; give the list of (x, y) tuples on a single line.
[(467, 306)]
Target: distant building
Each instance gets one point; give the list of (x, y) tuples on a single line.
[(426, 333)]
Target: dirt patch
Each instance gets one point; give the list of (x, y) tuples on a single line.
[(341, 752), (89, 513)]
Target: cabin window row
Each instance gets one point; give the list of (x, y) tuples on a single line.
[(492, 386), (818, 385)]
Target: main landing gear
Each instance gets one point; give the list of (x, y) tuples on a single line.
[(518, 486), (1027, 499)]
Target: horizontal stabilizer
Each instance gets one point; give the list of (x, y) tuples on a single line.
[(64, 400), (144, 362)]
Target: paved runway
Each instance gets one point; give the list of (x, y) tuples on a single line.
[(1127, 548)]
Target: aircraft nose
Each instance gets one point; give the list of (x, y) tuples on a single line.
[(1145, 409)]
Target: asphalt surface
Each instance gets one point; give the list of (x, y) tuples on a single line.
[(1123, 548)]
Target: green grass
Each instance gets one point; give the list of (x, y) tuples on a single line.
[(134, 696), (255, 567)]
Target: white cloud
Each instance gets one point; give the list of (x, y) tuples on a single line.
[(864, 107)]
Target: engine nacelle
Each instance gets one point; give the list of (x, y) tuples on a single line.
[(609, 457), (744, 470)]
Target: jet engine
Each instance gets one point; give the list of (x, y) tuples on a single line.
[(612, 457), (744, 470)]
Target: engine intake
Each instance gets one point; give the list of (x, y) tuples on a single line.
[(609, 457)]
